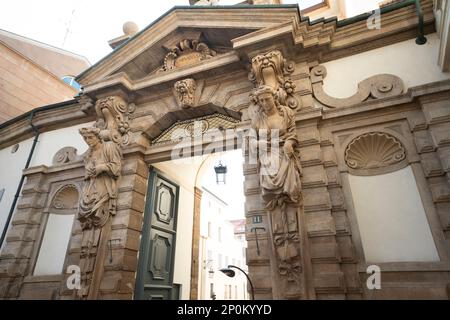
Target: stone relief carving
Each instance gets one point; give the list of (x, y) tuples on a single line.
[(376, 87), (374, 150), (66, 198), (186, 52), (273, 70), (65, 155), (112, 113), (184, 91), (279, 168), (103, 164)]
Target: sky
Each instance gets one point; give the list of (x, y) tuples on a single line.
[(85, 26)]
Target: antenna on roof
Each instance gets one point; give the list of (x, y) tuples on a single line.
[(69, 24)]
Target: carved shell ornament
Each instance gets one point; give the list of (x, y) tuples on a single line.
[(374, 150), (66, 198)]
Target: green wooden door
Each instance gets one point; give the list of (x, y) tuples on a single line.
[(157, 251)]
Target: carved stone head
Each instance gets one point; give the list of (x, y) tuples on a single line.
[(185, 92)]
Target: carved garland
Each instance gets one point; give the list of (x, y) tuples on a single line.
[(374, 150)]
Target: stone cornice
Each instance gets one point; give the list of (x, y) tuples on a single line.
[(122, 80), (45, 119), (264, 27)]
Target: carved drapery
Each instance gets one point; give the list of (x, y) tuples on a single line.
[(103, 165), (184, 91), (374, 150), (279, 170), (376, 87), (186, 52), (273, 70)]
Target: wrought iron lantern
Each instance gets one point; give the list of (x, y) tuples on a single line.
[(221, 173)]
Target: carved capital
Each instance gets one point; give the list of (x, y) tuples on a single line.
[(184, 91)]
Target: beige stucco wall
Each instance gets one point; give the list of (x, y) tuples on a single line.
[(26, 86), (391, 218), (414, 64)]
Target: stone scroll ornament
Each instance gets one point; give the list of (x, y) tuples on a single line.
[(273, 70), (274, 139), (103, 164), (375, 87)]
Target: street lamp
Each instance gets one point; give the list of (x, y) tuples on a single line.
[(230, 273)]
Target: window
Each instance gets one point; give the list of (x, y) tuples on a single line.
[(58, 229), (235, 292), (70, 80), (219, 236), (226, 261), (209, 230), (225, 292), (220, 261)]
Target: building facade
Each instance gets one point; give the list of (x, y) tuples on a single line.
[(363, 122), (34, 74), (218, 249)]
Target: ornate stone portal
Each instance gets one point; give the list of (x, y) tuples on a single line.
[(103, 165)]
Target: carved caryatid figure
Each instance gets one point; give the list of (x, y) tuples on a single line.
[(280, 167), (103, 165), (275, 137)]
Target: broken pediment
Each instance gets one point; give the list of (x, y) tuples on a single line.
[(180, 49)]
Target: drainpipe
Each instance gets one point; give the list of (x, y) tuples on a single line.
[(420, 40), (22, 179)]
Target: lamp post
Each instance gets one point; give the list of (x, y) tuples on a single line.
[(230, 273)]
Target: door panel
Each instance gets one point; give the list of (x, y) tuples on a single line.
[(157, 252)]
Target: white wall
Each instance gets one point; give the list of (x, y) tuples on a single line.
[(216, 213), (391, 218), (54, 245), (414, 64), (12, 164), (52, 141), (184, 176)]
